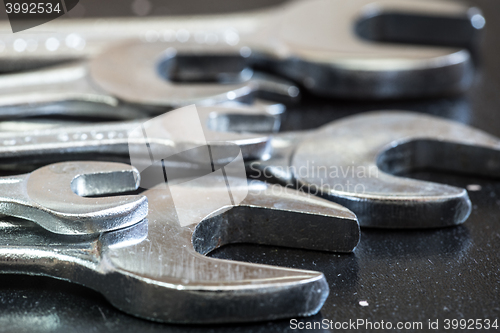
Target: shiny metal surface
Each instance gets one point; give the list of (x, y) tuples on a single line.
[(364, 150), (156, 269), (54, 197), (350, 161), (123, 83), (47, 145), (355, 162), (124, 72), (317, 43)]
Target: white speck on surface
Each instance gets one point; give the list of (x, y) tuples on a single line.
[(478, 21), (245, 51), (63, 137), (169, 35), (20, 45), (231, 37), (363, 303), (75, 41), (473, 187), (152, 36), (9, 142), (293, 91), (52, 44), (182, 35)]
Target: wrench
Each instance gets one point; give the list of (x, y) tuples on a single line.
[(111, 140), (313, 42), (373, 144), (350, 161), (156, 269), (53, 197), (88, 89), (358, 144)]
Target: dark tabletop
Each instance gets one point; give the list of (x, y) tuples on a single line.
[(416, 276)]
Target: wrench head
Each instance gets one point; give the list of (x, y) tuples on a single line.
[(352, 162), (57, 197), (315, 43), (123, 71), (167, 278)]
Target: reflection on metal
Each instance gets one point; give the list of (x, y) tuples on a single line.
[(53, 197), (350, 161), (155, 269), (319, 43)]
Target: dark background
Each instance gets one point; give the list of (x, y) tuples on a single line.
[(449, 273)]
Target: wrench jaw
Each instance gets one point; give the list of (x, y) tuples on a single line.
[(348, 161), (124, 70), (329, 59), (282, 293), (407, 212), (167, 278)]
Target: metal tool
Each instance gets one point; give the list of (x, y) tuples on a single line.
[(347, 161), (53, 197), (222, 125), (156, 268), (318, 43), (125, 83), (350, 161)]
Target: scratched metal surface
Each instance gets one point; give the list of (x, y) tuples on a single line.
[(449, 273)]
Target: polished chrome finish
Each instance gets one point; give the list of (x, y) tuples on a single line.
[(45, 145), (53, 197), (126, 70), (355, 161), (318, 43), (350, 161), (156, 269), (124, 83)]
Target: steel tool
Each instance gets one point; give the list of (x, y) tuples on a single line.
[(328, 46), (125, 83), (53, 197), (222, 125), (355, 161), (348, 161), (156, 268)]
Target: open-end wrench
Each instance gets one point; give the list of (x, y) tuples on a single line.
[(54, 197), (346, 161), (156, 269), (125, 83), (110, 141), (350, 161), (313, 42)]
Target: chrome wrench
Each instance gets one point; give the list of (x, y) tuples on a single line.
[(351, 161), (313, 42), (156, 269), (54, 197), (132, 88)]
